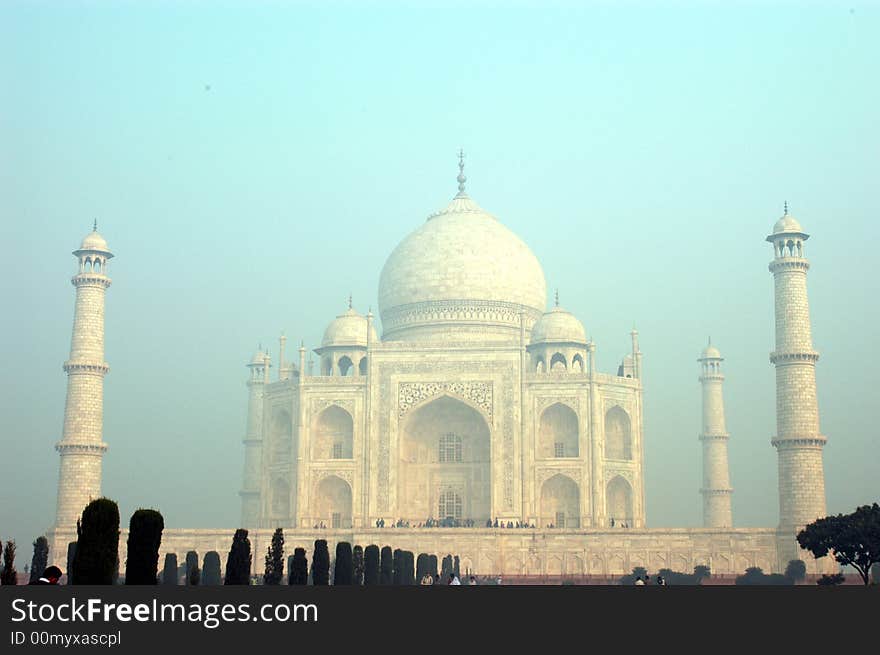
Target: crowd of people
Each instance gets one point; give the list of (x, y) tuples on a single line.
[(641, 582), (435, 579)]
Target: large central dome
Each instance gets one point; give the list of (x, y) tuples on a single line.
[(460, 276)]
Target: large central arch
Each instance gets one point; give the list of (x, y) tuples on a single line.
[(444, 455)]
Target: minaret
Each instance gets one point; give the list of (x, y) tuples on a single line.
[(253, 441), (798, 441), (82, 446), (716, 489)]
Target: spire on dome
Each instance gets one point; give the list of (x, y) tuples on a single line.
[(785, 208), (95, 225), (461, 178), (349, 300), (557, 297)]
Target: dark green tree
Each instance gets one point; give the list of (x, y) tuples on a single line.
[(238, 562), (40, 559), (423, 566), (299, 568), (144, 538), (71, 555), (97, 543), (456, 567), (796, 570), (446, 568), (357, 556), (9, 576), (371, 565), (211, 569), (701, 571), (408, 571), (386, 570), (852, 539), (192, 569), (321, 563), (432, 566), (169, 570), (831, 580), (274, 572), (343, 572), (397, 561)]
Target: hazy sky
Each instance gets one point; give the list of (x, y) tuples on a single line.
[(250, 164)]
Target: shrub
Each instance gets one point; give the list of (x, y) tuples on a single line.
[(358, 564), (97, 543), (299, 568), (169, 571), (831, 580), (321, 563), (144, 538), (238, 562), (343, 572), (274, 572), (386, 573), (211, 569), (796, 570), (371, 565), (40, 559), (9, 576), (192, 568)]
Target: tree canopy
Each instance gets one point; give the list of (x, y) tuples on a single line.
[(852, 539)]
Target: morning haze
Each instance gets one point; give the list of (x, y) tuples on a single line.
[(252, 165)]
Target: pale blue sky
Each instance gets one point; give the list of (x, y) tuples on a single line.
[(252, 163)]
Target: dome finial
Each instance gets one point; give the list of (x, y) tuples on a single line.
[(557, 296), (461, 178), (95, 225), (785, 208), (349, 300)]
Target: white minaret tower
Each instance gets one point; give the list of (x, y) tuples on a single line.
[(798, 441), (716, 489), (82, 446), (253, 441)]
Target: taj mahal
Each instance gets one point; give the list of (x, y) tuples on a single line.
[(475, 420)]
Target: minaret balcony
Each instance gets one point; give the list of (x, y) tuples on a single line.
[(806, 356)]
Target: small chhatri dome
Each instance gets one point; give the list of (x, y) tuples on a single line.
[(788, 224), (558, 326), (259, 359), (348, 329), (710, 352), (94, 242)]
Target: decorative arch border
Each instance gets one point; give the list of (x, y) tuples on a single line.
[(478, 395)]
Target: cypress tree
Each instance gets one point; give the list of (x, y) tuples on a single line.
[(169, 571), (238, 562), (211, 569), (9, 576), (71, 555), (144, 538), (343, 572), (299, 568), (358, 562), (397, 574), (40, 559), (423, 566), (371, 565), (433, 566), (446, 568), (407, 574), (97, 544), (456, 567), (192, 569), (274, 572), (386, 575), (321, 563)]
